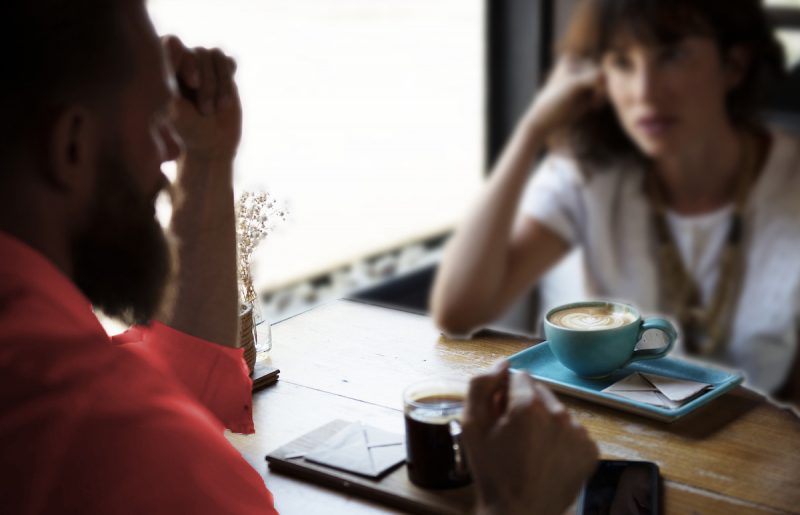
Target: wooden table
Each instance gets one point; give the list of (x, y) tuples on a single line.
[(739, 454)]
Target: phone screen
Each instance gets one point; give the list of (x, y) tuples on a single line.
[(622, 488)]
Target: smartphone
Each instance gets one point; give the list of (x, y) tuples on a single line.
[(622, 488)]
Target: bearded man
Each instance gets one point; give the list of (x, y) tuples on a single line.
[(92, 424), (93, 103)]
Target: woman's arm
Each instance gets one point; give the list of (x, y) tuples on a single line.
[(487, 264), (491, 260), (790, 391)]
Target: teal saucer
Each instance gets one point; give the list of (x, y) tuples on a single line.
[(540, 362)]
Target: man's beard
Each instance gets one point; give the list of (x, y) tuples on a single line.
[(122, 260)]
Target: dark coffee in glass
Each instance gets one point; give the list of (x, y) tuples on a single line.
[(433, 413)]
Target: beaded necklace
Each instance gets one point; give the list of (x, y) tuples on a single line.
[(704, 328)]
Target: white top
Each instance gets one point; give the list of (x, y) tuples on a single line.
[(608, 215)]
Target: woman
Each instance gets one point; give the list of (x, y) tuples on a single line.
[(683, 202)]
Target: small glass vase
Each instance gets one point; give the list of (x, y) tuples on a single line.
[(264, 334), (263, 341)]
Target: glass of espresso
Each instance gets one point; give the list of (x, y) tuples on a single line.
[(433, 413)]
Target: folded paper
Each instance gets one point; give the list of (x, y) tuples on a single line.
[(360, 449), (662, 391)]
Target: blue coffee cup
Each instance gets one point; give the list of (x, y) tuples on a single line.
[(593, 339)]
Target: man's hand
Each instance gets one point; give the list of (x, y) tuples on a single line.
[(209, 120), (526, 453), (208, 115)]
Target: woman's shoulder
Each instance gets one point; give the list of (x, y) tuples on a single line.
[(785, 147), (774, 205), (569, 169), (561, 163), (780, 176)]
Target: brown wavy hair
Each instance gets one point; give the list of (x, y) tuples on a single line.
[(597, 139)]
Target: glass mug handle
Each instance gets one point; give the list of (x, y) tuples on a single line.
[(661, 325), (459, 458)]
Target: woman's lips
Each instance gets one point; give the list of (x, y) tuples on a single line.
[(655, 126)]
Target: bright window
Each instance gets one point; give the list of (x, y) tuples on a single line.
[(789, 37), (364, 117)]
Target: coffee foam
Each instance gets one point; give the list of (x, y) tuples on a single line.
[(591, 318), (437, 408), (435, 417)]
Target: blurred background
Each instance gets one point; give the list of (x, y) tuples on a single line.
[(373, 124)]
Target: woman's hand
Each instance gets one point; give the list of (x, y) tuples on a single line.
[(575, 86)]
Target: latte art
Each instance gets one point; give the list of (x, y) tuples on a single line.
[(591, 318)]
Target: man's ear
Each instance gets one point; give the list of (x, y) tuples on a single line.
[(72, 148), (737, 64)]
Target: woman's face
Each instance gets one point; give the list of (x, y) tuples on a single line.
[(668, 98)]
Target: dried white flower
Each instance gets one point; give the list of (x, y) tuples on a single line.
[(255, 213)]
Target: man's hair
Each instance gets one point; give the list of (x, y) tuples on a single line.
[(59, 52), (597, 138)]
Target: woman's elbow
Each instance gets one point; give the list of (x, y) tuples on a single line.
[(453, 322)]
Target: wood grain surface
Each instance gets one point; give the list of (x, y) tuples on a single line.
[(395, 489), (347, 360)]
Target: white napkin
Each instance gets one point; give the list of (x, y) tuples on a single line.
[(665, 392)]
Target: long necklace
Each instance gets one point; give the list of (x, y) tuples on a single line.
[(704, 328)]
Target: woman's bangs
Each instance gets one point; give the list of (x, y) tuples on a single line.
[(650, 22)]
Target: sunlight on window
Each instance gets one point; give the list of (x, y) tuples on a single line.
[(782, 3), (790, 38), (364, 117)]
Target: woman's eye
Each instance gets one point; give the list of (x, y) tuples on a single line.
[(672, 53), (619, 62)]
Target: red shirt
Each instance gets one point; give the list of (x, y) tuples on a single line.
[(131, 424)]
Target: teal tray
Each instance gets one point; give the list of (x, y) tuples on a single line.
[(540, 362)]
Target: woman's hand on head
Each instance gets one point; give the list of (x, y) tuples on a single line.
[(575, 86)]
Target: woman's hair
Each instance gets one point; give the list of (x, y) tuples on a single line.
[(597, 139)]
